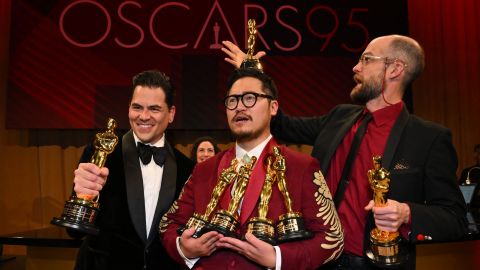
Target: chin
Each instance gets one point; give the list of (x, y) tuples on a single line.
[(242, 135), (144, 138)]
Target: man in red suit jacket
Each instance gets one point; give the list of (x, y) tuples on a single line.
[(251, 103)]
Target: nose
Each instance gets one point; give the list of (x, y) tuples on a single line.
[(145, 114), (240, 106), (357, 67)]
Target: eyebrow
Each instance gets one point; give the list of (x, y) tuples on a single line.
[(155, 106)]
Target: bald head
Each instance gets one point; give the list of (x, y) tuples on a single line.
[(406, 49)]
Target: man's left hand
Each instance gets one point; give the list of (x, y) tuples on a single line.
[(253, 248), (391, 216)]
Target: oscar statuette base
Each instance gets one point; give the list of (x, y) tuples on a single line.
[(263, 229), (198, 222), (78, 214), (224, 223), (387, 255), (290, 227)]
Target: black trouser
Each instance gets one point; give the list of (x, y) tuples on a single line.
[(348, 261)]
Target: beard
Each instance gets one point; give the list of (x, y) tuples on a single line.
[(246, 135), (366, 90)]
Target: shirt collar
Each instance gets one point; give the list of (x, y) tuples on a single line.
[(159, 143), (256, 151), (387, 114)]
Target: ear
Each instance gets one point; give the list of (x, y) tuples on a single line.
[(396, 69), (171, 114), (273, 107)]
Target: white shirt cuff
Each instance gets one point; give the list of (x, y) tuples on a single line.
[(278, 258), (189, 262)]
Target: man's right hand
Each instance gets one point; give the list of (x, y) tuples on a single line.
[(235, 55), (198, 247), (89, 180)]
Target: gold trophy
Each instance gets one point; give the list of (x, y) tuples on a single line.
[(251, 61), (80, 210), (261, 226), (290, 226), (226, 221), (199, 221), (384, 246)]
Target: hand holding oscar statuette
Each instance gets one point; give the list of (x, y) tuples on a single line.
[(251, 61), (384, 246), (80, 210)]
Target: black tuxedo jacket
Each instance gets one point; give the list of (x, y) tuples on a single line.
[(421, 160), (122, 242)]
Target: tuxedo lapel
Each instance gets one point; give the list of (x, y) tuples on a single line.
[(341, 129), (394, 138), (134, 184), (167, 189)]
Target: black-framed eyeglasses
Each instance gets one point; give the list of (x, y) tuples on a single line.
[(249, 100), (367, 58)]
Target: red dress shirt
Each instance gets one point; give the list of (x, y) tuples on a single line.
[(358, 193)]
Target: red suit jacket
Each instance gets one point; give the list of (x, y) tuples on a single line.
[(309, 195)]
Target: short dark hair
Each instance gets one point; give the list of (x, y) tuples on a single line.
[(155, 79), (193, 153), (268, 84)]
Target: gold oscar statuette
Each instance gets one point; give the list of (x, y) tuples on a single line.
[(80, 210), (261, 226), (226, 221), (290, 226), (251, 61), (384, 246), (199, 221)]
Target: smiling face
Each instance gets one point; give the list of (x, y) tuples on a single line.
[(205, 150), (251, 126), (149, 114)]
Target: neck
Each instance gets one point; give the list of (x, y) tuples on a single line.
[(391, 96)]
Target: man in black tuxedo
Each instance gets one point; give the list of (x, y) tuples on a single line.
[(424, 202), (140, 187)]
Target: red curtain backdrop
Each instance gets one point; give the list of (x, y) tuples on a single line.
[(449, 90)]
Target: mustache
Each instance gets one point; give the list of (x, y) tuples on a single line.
[(357, 78), (240, 116)]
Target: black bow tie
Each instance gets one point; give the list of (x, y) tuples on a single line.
[(145, 152)]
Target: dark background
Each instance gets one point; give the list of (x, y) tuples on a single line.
[(71, 62)]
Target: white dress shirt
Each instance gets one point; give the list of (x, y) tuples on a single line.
[(152, 181)]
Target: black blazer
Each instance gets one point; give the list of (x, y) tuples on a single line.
[(122, 242), (419, 155)]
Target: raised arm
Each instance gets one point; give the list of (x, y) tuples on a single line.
[(235, 56)]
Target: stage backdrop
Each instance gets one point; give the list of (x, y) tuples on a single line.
[(71, 62)]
